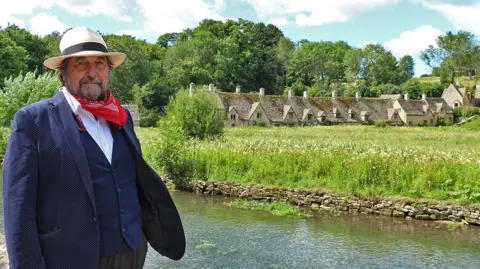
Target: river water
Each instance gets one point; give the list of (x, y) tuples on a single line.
[(223, 237)]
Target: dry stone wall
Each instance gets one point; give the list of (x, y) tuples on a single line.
[(316, 200)]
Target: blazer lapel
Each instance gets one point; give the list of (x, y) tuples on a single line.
[(65, 119)]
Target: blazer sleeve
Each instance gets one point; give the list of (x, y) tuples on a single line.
[(20, 179)]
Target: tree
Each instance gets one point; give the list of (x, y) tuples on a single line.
[(284, 50), (373, 63), (138, 68), (455, 54), (406, 69), (13, 58), (36, 48)]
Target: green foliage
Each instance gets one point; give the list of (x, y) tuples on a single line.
[(34, 46), (395, 161), (4, 135), (198, 116), (24, 90), (281, 209), (13, 58), (186, 117), (380, 123), (406, 69), (473, 125), (444, 122), (466, 111), (454, 54)]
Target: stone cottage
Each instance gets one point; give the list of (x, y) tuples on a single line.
[(244, 109), (456, 95)]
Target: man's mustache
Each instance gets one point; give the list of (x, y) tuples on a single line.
[(91, 80)]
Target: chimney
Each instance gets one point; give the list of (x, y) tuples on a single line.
[(210, 87), (237, 90), (457, 83), (192, 88), (305, 94), (262, 92), (424, 96), (334, 94), (290, 93), (358, 95), (407, 96)]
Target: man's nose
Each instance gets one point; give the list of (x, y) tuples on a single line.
[(92, 70)]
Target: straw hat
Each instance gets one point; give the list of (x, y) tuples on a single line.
[(82, 41)]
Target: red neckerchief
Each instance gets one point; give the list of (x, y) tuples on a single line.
[(109, 109)]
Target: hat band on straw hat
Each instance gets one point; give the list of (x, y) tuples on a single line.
[(87, 46)]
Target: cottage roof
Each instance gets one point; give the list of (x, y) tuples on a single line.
[(412, 107), (437, 104), (391, 96)]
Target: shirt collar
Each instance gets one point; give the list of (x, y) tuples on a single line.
[(74, 104)]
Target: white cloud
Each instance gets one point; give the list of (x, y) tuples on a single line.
[(463, 17), (280, 22), (43, 24), (172, 16), (413, 41), (315, 12), (220, 5)]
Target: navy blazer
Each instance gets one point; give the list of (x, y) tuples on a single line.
[(48, 200)]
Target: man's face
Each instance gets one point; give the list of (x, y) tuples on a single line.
[(87, 77)]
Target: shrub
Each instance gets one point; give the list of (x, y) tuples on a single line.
[(198, 116), (443, 122), (186, 120), (4, 134), (380, 123), (24, 90), (465, 111)]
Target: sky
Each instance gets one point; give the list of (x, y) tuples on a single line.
[(405, 27)]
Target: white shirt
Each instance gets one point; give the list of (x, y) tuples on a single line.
[(98, 129)]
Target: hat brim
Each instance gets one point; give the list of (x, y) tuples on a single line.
[(116, 58)]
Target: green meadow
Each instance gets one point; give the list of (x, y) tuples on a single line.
[(441, 163)]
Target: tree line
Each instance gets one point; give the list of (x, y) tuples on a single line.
[(250, 55)]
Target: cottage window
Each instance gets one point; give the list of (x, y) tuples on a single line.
[(425, 122), (232, 116), (409, 123), (309, 116), (259, 115)]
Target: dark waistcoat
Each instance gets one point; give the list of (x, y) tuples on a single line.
[(118, 209)]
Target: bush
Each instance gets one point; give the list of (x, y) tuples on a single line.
[(4, 134), (443, 122), (465, 111), (186, 120), (24, 90), (198, 116), (380, 123)]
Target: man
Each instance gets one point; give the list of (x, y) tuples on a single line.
[(76, 191)]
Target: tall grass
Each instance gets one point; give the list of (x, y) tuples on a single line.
[(438, 163)]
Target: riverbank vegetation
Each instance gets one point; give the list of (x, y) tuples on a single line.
[(439, 163), (276, 208)]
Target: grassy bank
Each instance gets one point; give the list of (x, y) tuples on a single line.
[(465, 81), (423, 162)]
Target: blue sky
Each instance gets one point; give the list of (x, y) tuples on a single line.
[(402, 26)]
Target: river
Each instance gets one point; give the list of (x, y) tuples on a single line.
[(223, 237)]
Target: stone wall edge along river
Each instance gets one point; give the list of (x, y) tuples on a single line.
[(316, 200)]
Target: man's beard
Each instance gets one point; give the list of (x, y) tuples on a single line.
[(91, 89)]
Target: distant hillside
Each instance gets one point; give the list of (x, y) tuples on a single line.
[(465, 81)]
